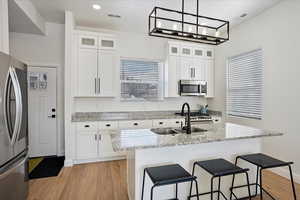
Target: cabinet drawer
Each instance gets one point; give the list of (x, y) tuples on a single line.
[(167, 122), (87, 126), (135, 124), (108, 125)]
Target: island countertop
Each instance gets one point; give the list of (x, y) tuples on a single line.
[(125, 140)]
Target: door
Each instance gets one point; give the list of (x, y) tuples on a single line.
[(187, 69), (14, 179), (42, 111), (107, 73), (210, 71), (87, 145), (172, 76), (87, 72), (105, 145), (199, 65)]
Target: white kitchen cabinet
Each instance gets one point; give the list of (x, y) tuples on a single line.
[(172, 76), (187, 68), (210, 71), (96, 66), (87, 145), (107, 43), (164, 123), (88, 41), (135, 124), (106, 73), (87, 72), (209, 54), (105, 146), (173, 49), (186, 51)]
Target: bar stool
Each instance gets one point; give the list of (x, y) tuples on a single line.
[(262, 161), (218, 168), (167, 175)]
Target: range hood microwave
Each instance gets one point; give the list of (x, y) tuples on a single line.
[(192, 88)]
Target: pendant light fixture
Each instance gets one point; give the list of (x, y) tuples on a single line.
[(180, 25)]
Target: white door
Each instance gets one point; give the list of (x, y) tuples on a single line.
[(42, 111), (87, 72), (107, 73)]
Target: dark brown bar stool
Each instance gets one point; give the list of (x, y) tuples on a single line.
[(167, 175), (262, 161), (219, 168)]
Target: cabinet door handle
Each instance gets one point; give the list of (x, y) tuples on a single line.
[(100, 137), (161, 123), (135, 124), (99, 86), (177, 122), (86, 126), (191, 72), (96, 137), (95, 85), (108, 125)]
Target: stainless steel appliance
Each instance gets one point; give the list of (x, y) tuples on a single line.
[(13, 129), (192, 88)]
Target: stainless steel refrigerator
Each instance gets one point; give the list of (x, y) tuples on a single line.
[(13, 129)]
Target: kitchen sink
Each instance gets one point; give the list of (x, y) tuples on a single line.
[(194, 129), (165, 131)]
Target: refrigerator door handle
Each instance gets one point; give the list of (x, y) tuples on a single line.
[(10, 170), (19, 105), (5, 105)]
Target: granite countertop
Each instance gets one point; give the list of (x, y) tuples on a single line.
[(125, 140), (119, 116)]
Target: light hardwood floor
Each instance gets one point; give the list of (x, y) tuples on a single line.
[(107, 181)]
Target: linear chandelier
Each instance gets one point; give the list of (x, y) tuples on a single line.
[(180, 25)]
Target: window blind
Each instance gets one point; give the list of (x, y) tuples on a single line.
[(140, 79), (244, 85)]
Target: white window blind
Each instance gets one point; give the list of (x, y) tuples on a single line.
[(244, 85), (140, 80)]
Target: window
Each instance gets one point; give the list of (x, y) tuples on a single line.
[(141, 80), (244, 85)]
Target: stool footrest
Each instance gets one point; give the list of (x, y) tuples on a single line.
[(207, 193), (252, 184)]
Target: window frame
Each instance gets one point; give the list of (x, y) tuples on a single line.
[(160, 82), (244, 116)]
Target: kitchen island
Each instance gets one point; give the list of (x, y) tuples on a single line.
[(145, 148)]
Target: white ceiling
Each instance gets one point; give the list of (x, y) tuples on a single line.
[(134, 13)]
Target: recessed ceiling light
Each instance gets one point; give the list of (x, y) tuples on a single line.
[(243, 15), (96, 7)]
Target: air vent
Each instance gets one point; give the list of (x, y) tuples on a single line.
[(244, 15), (114, 15)]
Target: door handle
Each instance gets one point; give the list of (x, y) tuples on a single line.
[(95, 137), (51, 116), (191, 72)]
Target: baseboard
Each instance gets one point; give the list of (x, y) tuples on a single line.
[(99, 160), (286, 174), (69, 163)]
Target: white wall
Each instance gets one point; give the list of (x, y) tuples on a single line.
[(45, 50), (4, 35), (131, 45), (276, 31)]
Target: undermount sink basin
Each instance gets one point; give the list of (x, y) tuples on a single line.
[(195, 129), (164, 131), (172, 131)]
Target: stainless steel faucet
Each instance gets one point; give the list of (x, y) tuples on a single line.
[(188, 118)]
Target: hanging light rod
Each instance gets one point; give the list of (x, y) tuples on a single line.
[(201, 29)]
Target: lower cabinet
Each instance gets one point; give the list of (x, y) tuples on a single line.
[(93, 139), (87, 145)]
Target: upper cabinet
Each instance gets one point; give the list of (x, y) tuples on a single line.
[(89, 42), (96, 65), (187, 61), (107, 43)]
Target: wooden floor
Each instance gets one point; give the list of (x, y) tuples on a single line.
[(107, 181)]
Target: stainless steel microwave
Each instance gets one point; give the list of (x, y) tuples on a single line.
[(192, 88)]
